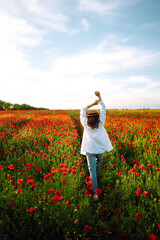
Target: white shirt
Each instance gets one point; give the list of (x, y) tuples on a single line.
[(95, 140)]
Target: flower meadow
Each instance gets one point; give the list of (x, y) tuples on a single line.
[(45, 186)]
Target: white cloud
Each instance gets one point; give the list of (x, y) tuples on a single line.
[(85, 24), (46, 15), (137, 79), (108, 58), (17, 31), (103, 7), (96, 6)]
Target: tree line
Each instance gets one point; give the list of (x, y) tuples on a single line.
[(9, 106)]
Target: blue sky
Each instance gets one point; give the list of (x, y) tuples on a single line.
[(56, 53)]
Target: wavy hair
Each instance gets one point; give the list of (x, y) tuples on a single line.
[(93, 121)]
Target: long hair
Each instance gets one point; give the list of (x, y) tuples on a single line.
[(93, 121)]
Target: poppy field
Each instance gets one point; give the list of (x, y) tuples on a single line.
[(44, 180)]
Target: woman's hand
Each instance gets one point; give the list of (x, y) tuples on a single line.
[(97, 93)]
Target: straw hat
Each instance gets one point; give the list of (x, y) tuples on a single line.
[(92, 113)]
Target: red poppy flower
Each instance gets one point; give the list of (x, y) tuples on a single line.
[(106, 232), (116, 210), (98, 191), (32, 209), (82, 174), (145, 193), (138, 191), (139, 216), (11, 166), (53, 170), (150, 165), (88, 179), (18, 190), (20, 181), (87, 228), (90, 186), (11, 204), (120, 173), (67, 202), (63, 180), (153, 237)]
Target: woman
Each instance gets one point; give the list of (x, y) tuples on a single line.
[(95, 139)]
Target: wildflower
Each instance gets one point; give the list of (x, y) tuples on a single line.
[(82, 174), (74, 169), (11, 166), (138, 191), (63, 180), (139, 216), (120, 173), (50, 191), (87, 194), (31, 182), (55, 198), (18, 190), (53, 170), (1, 167), (10, 178), (67, 202), (153, 237), (32, 209), (88, 179), (150, 165), (145, 193), (11, 204), (90, 186), (21, 181), (87, 228), (116, 210), (106, 232), (143, 167), (158, 225), (98, 191), (44, 155), (105, 165)]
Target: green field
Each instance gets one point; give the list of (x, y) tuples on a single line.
[(45, 191)]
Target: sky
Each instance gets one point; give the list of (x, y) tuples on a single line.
[(57, 53)]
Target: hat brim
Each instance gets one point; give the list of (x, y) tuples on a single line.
[(92, 113)]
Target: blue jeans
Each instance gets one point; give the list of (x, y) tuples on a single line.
[(94, 162)]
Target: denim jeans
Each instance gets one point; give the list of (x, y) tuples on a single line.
[(94, 162)]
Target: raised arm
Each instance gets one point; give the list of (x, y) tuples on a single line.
[(102, 108)]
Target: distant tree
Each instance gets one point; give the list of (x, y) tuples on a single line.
[(16, 106), (7, 106), (1, 105)]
